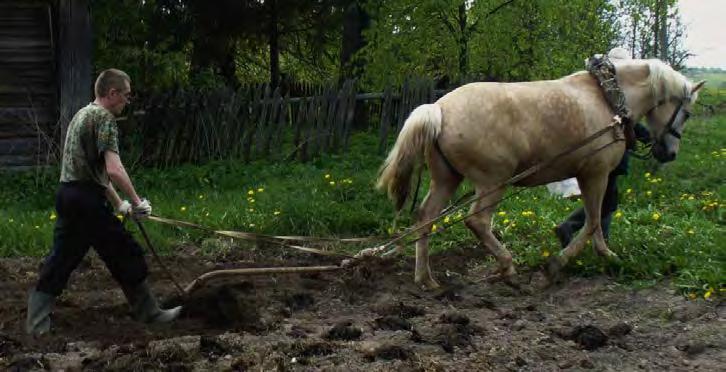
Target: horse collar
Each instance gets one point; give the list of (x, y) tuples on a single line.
[(603, 70)]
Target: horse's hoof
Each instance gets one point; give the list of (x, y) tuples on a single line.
[(428, 284), (504, 274), (608, 254), (553, 269)]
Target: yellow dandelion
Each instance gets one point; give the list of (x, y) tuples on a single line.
[(276, 213), (37, 227), (433, 228), (250, 192), (327, 176), (513, 224), (332, 183), (502, 213), (647, 174), (691, 231), (201, 196), (618, 214), (691, 197), (648, 193), (251, 210), (53, 216), (545, 253), (708, 294), (252, 225), (120, 217), (579, 262), (506, 221), (11, 220), (251, 200), (447, 219), (183, 209), (206, 214), (628, 191), (390, 230), (692, 296), (655, 216), (261, 189)]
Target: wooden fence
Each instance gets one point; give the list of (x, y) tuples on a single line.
[(257, 122)]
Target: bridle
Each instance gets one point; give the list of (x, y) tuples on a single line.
[(674, 127)]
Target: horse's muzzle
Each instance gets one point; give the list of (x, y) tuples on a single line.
[(663, 155)]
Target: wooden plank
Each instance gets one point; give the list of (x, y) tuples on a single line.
[(272, 122), (17, 160), (348, 123), (282, 120), (326, 129), (26, 115), (19, 146), (403, 105), (23, 43), (386, 109), (298, 126)]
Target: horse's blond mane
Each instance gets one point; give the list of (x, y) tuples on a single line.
[(665, 82)]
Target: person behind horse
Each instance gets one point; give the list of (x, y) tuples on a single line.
[(576, 220), (90, 168)]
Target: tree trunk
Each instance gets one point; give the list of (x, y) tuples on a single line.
[(463, 43), (356, 20), (274, 39), (663, 31), (74, 62)]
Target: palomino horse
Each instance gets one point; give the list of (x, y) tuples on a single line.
[(489, 132)]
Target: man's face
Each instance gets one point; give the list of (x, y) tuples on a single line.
[(118, 99)]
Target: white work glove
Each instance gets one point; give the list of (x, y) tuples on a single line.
[(142, 210), (124, 208)]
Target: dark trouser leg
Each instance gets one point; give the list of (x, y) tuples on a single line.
[(609, 204), (70, 245), (576, 220), (122, 255)]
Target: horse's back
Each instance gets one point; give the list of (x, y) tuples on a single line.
[(492, 130)]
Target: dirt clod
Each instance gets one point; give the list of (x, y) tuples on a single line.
[(588, 337), (389, 352), (454, 318), (344, 331), (392, 323), (619, 330), (399, 309)]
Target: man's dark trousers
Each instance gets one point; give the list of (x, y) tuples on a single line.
[(85, 219)]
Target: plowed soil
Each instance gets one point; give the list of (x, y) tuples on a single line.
[(369, 316)]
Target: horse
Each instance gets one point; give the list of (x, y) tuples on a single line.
[(488, 132)]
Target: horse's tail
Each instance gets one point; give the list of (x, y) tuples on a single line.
[(417, 135)]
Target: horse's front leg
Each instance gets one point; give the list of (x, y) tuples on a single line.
[(593, 189)]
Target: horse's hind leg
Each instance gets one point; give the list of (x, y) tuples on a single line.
[(444, 182), (481, 225), (593, 190)]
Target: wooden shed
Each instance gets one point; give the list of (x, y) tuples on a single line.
[(45, 76)]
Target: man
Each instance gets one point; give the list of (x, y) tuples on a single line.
[(576, 220), (90, 168)]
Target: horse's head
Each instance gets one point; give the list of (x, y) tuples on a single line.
[(665, 101)]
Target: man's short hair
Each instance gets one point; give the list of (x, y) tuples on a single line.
[(110, 79)]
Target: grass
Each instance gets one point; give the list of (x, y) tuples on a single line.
[(670, 222)]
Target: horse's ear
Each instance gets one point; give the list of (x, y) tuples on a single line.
[(698, 86)]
